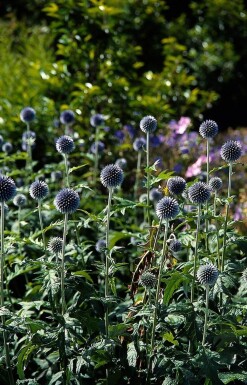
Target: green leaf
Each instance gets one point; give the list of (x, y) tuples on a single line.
[(83, 273), (227, 377), (170, 338), (77, 168), (172, 284), (23, 357), (132, 355), (56, 377)]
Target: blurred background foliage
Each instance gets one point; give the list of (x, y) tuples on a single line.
[(123, 58)]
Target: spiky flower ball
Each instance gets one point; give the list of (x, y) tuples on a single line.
[(148, 124), (244, 275), (148, 280), (55, 245), (207, 274), (20, 200), (100, 245), (175, 246), (215, 183), (199, 192), (97, 145), (97, 120), (155, 195), (208, 129), (111, 176), (176, 185), (7, 188), (67, 117), (27, 115), (7, 147), (67, 201), (167, 208), (65, 144), (231, 151), (121, 162), (38, 190), (139, 144), (56, 175)]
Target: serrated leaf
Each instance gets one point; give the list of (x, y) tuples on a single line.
[(226, 377), (172, 284), (77, 168), (132, 355), (170, 338)]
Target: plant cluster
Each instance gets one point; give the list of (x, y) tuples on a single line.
[(115, 271)]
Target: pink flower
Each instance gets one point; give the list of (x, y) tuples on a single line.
[(183, 124), (195, 168)]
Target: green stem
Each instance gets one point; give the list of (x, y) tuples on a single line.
[(206, 316), (138, 171), (196, 252), (29, 151), (19, 220), (41, 224), (63, 263), (107, 262), (226, 218), (206, 220), (148, 179), (96, 158), (156, 303), (5, 341), (66, 170), (217, 232), (157, 235)]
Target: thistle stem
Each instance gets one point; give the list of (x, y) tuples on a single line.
[(164, 248), (138, 171), (148, 178), (29, 150), (107, 262), (226, 217), (63, 263), (66, 169), (217, 232), (2, 258), (196, 252), (41, 224), (206, 316), (96, 158), (19, 220), (207, 179)]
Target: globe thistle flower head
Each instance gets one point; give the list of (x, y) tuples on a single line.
[(148, 280), (7, 188), (67, 117), (65, 144), (139, 144), (97, 120), (167, 208), (208, 129), (207, 274), (27, 115), (244, 276), (155, 195), (111, 176), (215, 183), (175, 245), (231, 151), (56, 175), (38, 190), (55, 245), (122, 163), (100, 145), (67, 201), (176, 185), (148, 124), (199, 192), (20, 200), (7, 147), (100, 245)]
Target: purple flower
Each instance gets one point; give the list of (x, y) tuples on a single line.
[(130, 130), (119, 134), (155, 141)]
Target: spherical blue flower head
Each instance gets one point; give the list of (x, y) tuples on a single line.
[(56, 175), (20, 200), (167, 208), (148, 124), (121, 162), (155, 195), (207, 274), (55, 245), (100, 245), (231, 151), (208, 129), (65, 144), (199, 192), (215, 183), (7, 188), (97, 120), (67, 201), (7, 147), (139, 144), (27, 115), (38, 190), (176, 185), (111, 176), (67, 117), (148, 280), (175, 246), (99, 144)]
